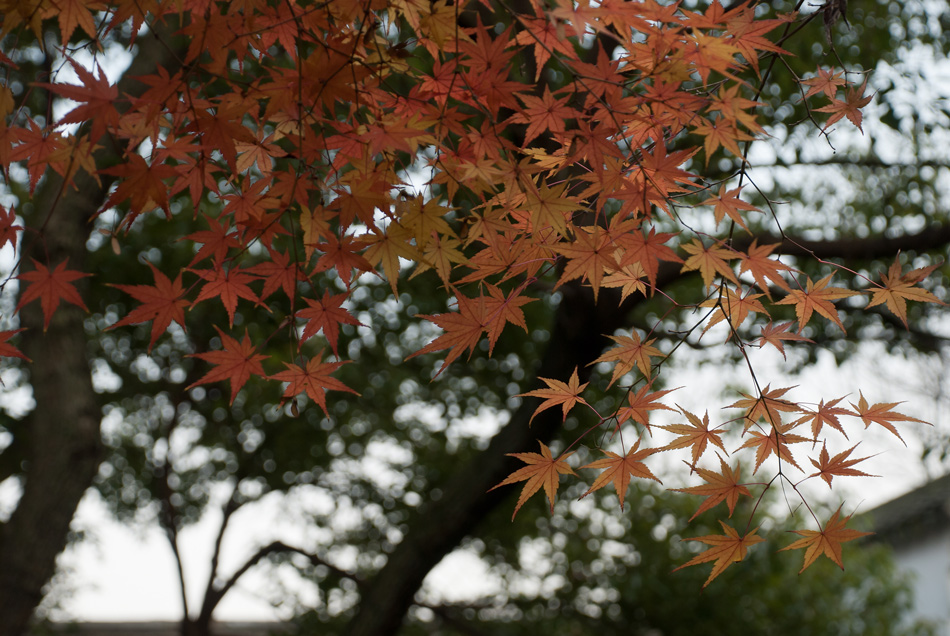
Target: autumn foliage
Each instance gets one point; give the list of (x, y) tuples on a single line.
[(313, 145)]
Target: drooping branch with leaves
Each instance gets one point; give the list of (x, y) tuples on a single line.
[(268, 163)]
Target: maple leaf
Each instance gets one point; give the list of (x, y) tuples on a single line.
[(732, 306), (629, 352), (97, 97), (72, 14), (567, 395), (827, 82), (617, 470), (590, 255), (7, 350), (775, 335), (763, 269), (882, 414), (837, 466), (720, 486), (229, 285), (726, 549), (826, 541), (500, 310), (816, 297), (162, 303), (544, 113), (326, 314), (315, 380), (647, 251), (850, 107), (629, 279), (826, 415), (767, 406), (729, 203), (897, 289), (236, 362), (142, 185), (463, 329), (709, 261), (550, 207), (774, 443), (695, 435), (51, 287), (542, 471), (640, 404), (8, 231)]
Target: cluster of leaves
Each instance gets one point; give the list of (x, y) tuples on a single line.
[(554, 149)]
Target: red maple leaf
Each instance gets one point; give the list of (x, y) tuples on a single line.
[(326, 314), (7, 350), (51, 287), (162, 303), (229, 285), (97, 100), (236, 362), (315, 380)]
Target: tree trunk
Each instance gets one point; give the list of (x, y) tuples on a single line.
[(439, 526), (64, 447)]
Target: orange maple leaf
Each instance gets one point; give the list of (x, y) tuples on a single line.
[(882, 414), (542, 471), (729, 203), (617, 470), (767, 406), (315, 380), (730, 305), (837, 466), (588, 256), (463, 329), (816, 297), (629, 352), (51, 287), (775, 335), (709, 261), (696, 434), (826, 415), (850, 107), (640, 405), (162, 303), (774, 443), (726, 549), (567, 395), (720, 486), (827, 82), (764, 269), (827, 541), (898, 289), (236, 361), (500, 310), (647, 251)]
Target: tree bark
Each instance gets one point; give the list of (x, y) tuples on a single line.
[(64, 447)]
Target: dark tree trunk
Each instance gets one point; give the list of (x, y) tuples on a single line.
[(63, 447)]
